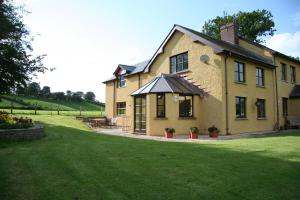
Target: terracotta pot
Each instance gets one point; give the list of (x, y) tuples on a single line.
[(193, 135), (168, 135), (213, 134)]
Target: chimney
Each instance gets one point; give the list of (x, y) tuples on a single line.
[(229, 33)]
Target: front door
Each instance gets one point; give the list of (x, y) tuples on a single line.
[(140, 114)]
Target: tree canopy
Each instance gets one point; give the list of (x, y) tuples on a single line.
[(17, 64), (253, 25)]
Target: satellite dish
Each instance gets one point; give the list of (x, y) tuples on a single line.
[(204, 58)]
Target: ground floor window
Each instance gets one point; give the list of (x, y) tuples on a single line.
[(240, 105), (185, 106), (121, 108), (160, 106), (285, 106), (261, 108)]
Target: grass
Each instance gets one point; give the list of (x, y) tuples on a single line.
[(72, 161), (48, 104), (48, 112)]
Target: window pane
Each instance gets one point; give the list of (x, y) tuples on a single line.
[(173, 64)]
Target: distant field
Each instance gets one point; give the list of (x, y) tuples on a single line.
[(48, 112), (48, 104)]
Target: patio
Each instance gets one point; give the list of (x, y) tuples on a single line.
[(185, 138)]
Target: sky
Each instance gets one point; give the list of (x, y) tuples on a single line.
[(86, 40)]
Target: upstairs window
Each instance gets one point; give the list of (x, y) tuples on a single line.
[(261, 108), (283, 71), (240, 105), (260, 76), (185, 106), (160, 106), (179, 63), (239, 72), (293, 74), (121, 108), (121, 81)]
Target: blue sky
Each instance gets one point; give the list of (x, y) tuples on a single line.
[(85, 40)]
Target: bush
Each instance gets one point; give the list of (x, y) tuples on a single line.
[(5, 117), (213, 129), (170, 130), (7, 122), (194, 130)]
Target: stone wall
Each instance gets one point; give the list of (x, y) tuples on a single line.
[(35, 132)]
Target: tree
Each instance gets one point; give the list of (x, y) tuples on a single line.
[(69, 95), (34, 89), (58, 95), (77, 96), (17, 65), (90, 96), (46, 92), (252, 25)]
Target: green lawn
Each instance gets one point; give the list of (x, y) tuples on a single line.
[(48, 112), (72, 161), (48, 104)]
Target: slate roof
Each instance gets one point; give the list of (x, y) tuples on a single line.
[(130, 69), (235, 49), (295, 92), (169, 83)]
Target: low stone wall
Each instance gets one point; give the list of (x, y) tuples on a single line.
[(35, 132)]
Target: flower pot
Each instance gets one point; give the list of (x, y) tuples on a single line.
[(193, 135), (168, 135), (213, 134)]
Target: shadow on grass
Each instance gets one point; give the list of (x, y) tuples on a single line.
[(70, 163)]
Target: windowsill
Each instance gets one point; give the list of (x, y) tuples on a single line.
[(183, 71), (187, 118), (160, 118), (241, 83), (241, 118), (285, 81), (261, 118), (261, 86)]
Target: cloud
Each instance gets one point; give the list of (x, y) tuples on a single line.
[(296, 19), (287, 43)]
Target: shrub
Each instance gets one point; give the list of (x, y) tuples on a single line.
[(7, 122), (194, 130), (212, 129), (170, 130), (5, 117)]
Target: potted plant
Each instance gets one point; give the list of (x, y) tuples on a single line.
[(169, 132), (194, 132), (213, 131)]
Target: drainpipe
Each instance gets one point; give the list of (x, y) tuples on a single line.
[(114, 99), (226, 95), (276, 91), (139, 80)]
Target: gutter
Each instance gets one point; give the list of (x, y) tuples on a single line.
[(226, 96)]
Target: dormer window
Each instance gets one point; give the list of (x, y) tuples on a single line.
[(121, 81)]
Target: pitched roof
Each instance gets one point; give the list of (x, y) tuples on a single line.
[(130, 69), (295, 92), (219, 46), (170, 83)]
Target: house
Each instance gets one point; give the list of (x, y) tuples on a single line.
[(195, 80)]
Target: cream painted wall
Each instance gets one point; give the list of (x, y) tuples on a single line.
[(156, 126), (285, 87), (251, 92), (209, 76)]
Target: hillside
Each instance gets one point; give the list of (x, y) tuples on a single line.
[(23, 102)]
